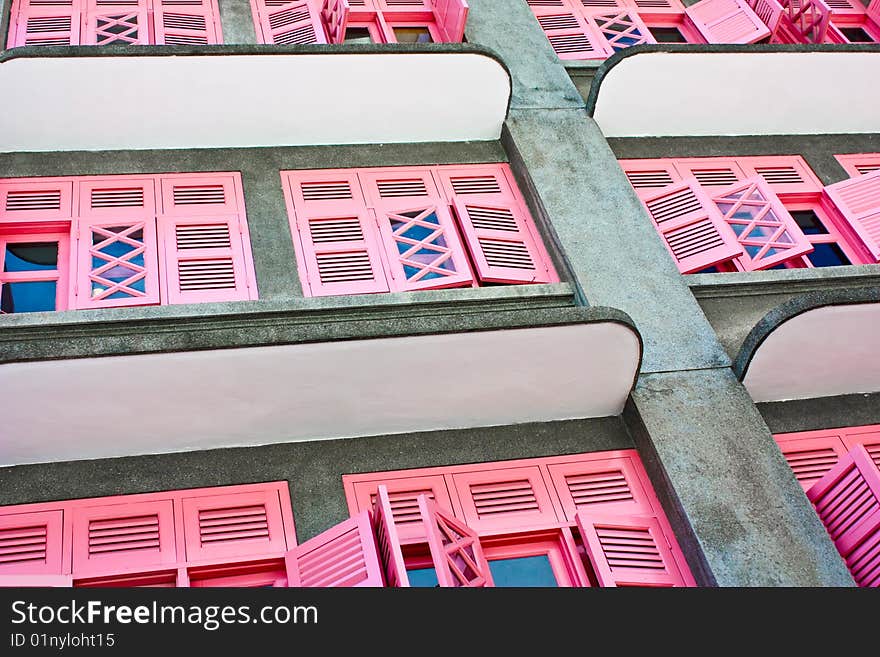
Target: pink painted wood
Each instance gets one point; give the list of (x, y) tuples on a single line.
[(858, 200), (29, 200), (31, 544), (19, 581), (847, 500), (570, 33), (60, 275), (622, 30), (647, 9), (647, 176), (388, 540), (39, 25), (691, 226), (450, 17), (335, 14), (804, 21), (874, 11), (287, 23), (855, 164), (455, 549), (769, 11), (128, 23), (789, 176), (727, 21), (343, 556), (811, 454), (197, 22)]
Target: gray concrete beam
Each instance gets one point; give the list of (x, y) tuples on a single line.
[(237, 22), (823, 413)]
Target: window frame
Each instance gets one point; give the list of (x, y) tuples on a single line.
[(60, 275)]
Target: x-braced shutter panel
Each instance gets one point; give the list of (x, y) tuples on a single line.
[(287, 23), (450, 16), (122, 538), (767, 232), (34, 200), (337, 242), (847, 500), (45, 23), (117, 22), (187, 22), (631, 550), (727, 21), (233, 525), (388, 540), (342, 556), (858, 200), (811, 458), (455, 549), (622, 29), (691, 226), (31, 543), (334, 14), (571, 35), (808, 20)]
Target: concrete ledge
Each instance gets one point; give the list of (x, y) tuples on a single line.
[(822, 413), (782, 281)]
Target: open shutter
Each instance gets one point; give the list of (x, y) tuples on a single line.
[(571, 35), (868, 437), (31, 544), (767, 232), (874, 11), (622, 29), (847, 500), (117, 22), (769, 11), (343, 556), (421, 243), (116, 251), (629, 550), (806, 20), (335, 15), (388, 540), (691, 227), (286, 23), (45, 23), (858, 200), (337, 242), (727, 21), (450, 16), (455, 549), (811, 458), (187, 22)]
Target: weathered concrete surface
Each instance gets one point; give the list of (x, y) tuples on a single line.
[(822, 413)]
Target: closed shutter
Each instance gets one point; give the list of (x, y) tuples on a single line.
[(29, 200), (859, 163), (335, 15), (31, 544), (622, 29), (455, 549), (342, 556), (727, 21), (450, 16), (790, 177), (388, 540), (847, 500), (691, 226), (117, 22), (571, 35), (422, 247), (630, 550), (868, 437), (858, 200), (287, 23), (710, 171), (647, 176), (187, 22), (767, 232), (337, 241), (811, 458), (45, 23)]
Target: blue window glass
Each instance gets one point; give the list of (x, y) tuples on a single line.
[(31, 256), (809, 222), (27, 296), (523, 571), (422, 577), (827, 255)]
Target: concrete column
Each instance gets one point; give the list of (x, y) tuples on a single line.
[(237, 22)]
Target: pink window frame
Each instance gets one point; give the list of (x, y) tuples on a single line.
[(852, 162), (840, 440), (61, 274)]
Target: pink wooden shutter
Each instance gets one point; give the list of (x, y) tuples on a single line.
[(455, 549), (727, 21), (789, 176), (858, 164), (868, 437), (286, 23), (342, 556), (116, 250), (769, 11), (17, 581), (807, 19), (31, 543), (811, 456), (337, 242), (450, 16), (187, 22), (874, 11), (204, 241), (45, 23), (422, 247), (622, 29), (710, 171), (571, 35), (35, 199), (335, 14), (858, 200), (122, 537), (233, 525), (504, 242), (764, 228), (117, 22), (646, 176), (693, 230), (388, 540), (630, 550), (847, 500)]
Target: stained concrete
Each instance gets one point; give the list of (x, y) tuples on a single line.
[(237, 21), (822, 413)]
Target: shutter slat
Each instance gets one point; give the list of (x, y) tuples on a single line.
[(39, 25), (571, 35), (388, 539), (31, 544), (289, 23), (192, 23)]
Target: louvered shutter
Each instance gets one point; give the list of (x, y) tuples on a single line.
[(811, 458), (767, 232), (31, 544), (117, 22), (422, 247), (860, 163), (44, 199), (116, 251), (769, 11), (337, 242), (571, 35), (710, 171), (691, 226), (233, 525), (388, 540), (343, 556), (660, 8), (631, 550), (727, 21), (788, 176), (45, 23), (450, 16), (858, 200), (334, 14), (622, 29), (847, 500), (123, 537), (503, 240), (874, 11), (505, 498), (867, 437), (287, 23), (647, 176), (455, 549), (187, 22)]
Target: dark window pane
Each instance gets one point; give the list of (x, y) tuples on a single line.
[(31, 256), (412, 35), (422, 577), (809, 222), (828, 255), (357, 35), (667, 35), (708, 270), (27, 296), (523, 571), (856, 35)]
